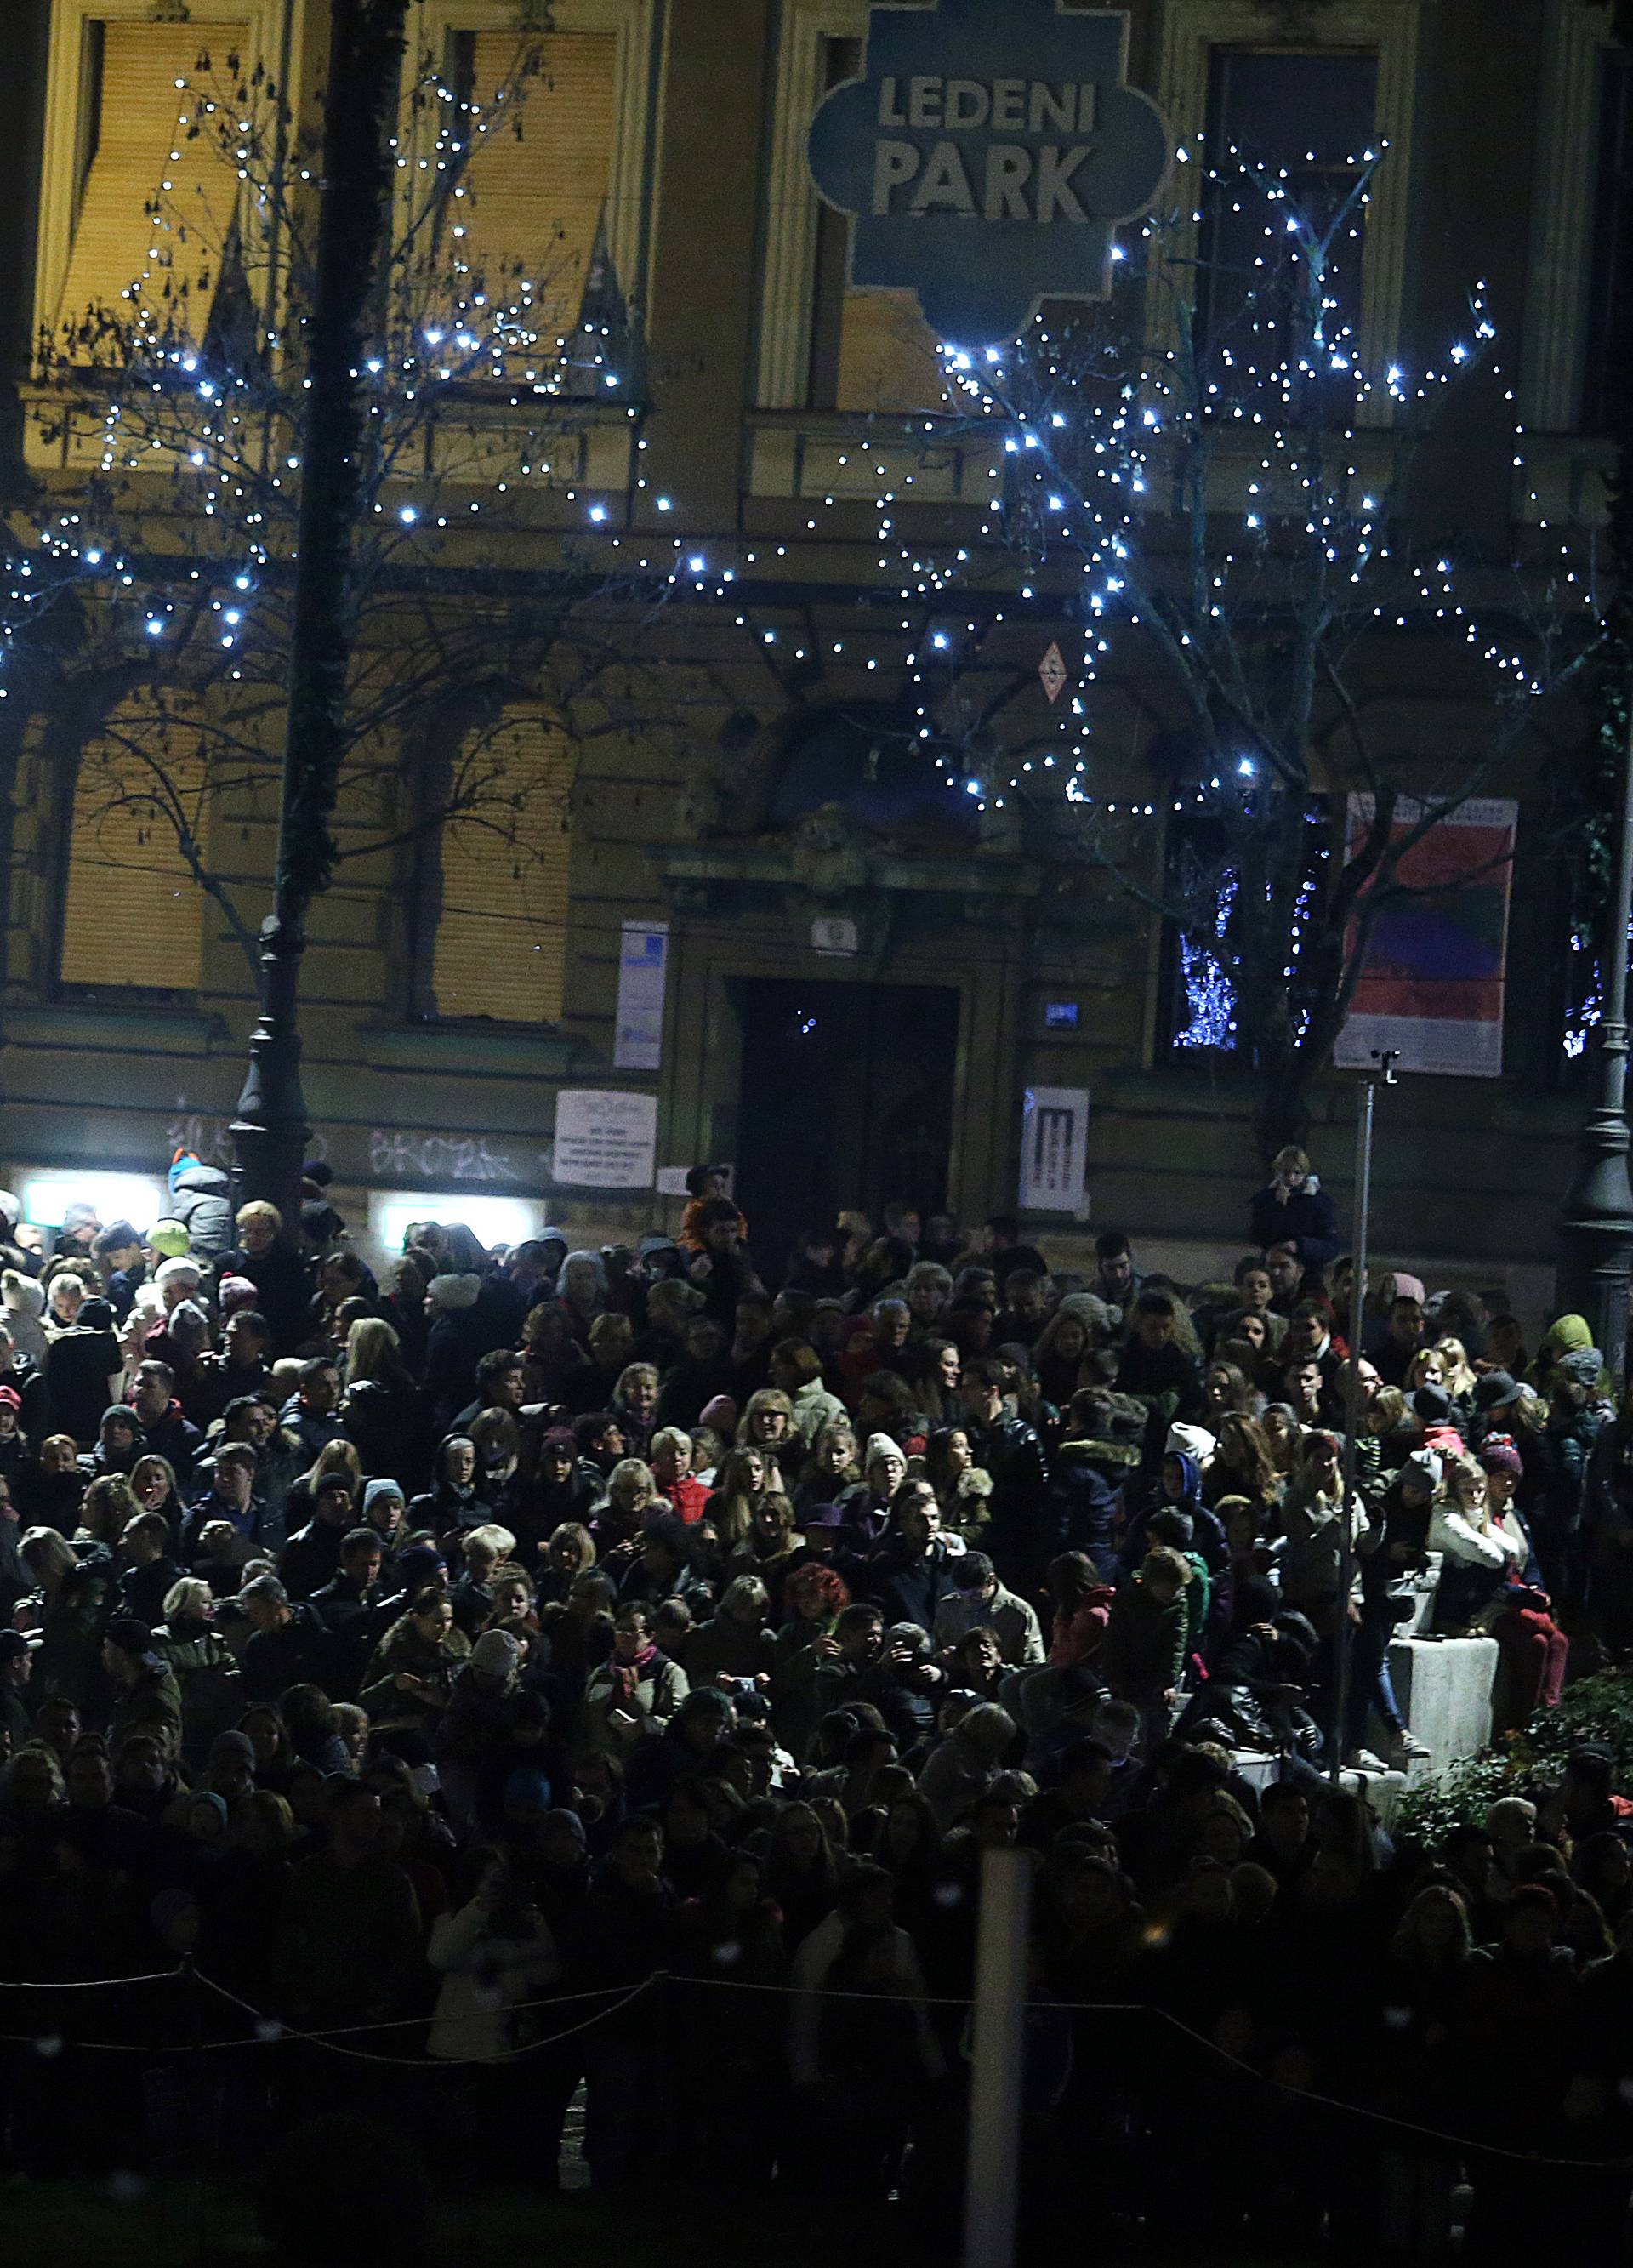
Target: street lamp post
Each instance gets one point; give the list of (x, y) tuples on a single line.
[(365, 44), (1385, 1059), (1597, 1231)]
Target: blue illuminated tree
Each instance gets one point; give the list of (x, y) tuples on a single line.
[(1242, 519)]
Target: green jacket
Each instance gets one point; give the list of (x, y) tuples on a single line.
[(1143, 1651)]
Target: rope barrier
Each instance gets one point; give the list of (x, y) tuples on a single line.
[(273, 2031)]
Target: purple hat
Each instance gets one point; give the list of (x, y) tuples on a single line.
[(719, 1414), (822, 1515), (1496, 1453)]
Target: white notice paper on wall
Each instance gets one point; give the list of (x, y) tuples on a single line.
[(642, 958), (1054, 1149), (604, 1140)]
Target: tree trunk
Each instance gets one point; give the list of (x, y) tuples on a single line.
[(365, 45)]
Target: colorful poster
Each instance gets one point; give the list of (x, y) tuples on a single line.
[(1432, 984), (1054, 1149)]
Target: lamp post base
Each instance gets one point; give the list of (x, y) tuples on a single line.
[(271, 1133)]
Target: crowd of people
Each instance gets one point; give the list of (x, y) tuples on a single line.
[(515, 1671)]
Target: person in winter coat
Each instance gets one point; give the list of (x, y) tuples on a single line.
[(981, 1602), (82, 1372), (410, 1675), (265, 1255), (1144, 1652), (1480, 1554), (23, 1300), (198, 1657), (1023, 1533), (146, 1697), (201, 1198), (1082, 1609), (1535, 1650), (494, 1957), (1558, 1470), (912, 1572), (1099, 1454), (634, 1692), (1294, 1209), (1313, 1559)]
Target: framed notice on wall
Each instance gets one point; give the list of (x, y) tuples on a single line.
[(1054, 1150), (605, 1140)]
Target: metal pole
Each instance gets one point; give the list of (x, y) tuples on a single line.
[(270, 1133), (1598, 1226), (1353, 1396), (992, 2168)]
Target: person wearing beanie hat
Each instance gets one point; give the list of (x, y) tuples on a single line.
[(1424, 1469), (1432, 1406), (1498, 1454), (1583, 1367), (719, 1414), (1408, 1508), (497, 1656)]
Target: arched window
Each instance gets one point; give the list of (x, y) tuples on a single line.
[(131, 912), (497, 880)]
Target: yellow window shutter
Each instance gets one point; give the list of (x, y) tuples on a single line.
[(131, 911), (887, 358), (122, 250), (501, 942), (533, 200)]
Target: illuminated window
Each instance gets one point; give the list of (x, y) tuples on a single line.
[(130, 906), (491, 1220), (139, 1198), (497, 883)]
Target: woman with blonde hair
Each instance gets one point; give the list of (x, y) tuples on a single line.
[(569, 1553), (67, 1609), (616, 1521), (768, 1424), (1480, 1554), (381, 1407)]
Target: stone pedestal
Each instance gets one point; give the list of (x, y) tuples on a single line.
[(1444, 1686)]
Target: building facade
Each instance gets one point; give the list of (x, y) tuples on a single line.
[(827, 976)]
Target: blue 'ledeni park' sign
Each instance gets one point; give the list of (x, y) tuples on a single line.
[(987, 151)]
